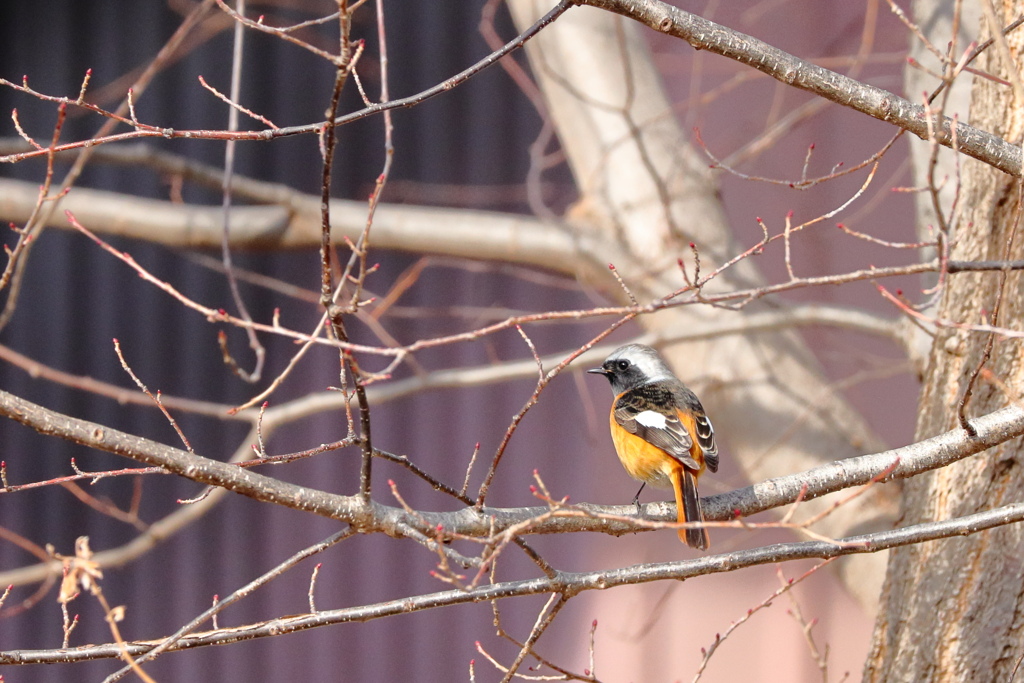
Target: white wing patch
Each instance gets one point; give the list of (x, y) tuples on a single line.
[(651, 419)]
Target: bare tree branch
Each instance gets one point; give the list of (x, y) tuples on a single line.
[(938, 451), (296, 224), (782, 66)]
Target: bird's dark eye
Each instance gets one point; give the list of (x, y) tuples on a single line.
[(622, 365)]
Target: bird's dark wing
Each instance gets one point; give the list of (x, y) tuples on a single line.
[(652, 417)]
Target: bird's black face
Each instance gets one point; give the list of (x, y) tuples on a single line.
[(621, 372)]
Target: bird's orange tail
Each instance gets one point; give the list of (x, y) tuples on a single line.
[(688, 507)]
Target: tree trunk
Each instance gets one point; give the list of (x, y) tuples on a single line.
[(952, 609)]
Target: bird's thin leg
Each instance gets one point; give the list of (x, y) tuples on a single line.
[(636, 498)]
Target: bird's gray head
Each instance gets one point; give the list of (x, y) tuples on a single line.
[(631, 366)]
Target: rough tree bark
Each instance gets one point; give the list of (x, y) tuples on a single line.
[(951, 609)]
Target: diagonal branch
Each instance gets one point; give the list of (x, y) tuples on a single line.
[(939, 451), (835, 87)]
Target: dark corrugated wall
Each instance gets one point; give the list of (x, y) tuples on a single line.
[(77, 299)]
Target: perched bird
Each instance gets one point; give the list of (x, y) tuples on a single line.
[(660, 431)]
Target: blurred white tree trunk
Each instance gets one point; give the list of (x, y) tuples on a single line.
[(648, 195)]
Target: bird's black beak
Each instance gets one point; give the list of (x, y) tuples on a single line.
[(597, 371)]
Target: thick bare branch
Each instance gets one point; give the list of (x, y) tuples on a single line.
[(296, 224), (929, 454), (782, 66)]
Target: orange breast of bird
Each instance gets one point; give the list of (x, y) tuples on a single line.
[(642, 460), (646, 462)]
